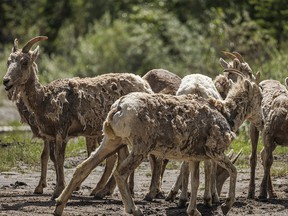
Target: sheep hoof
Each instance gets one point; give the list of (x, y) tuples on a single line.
[(272, 195), (182, 203), (171, 196), (137, 212), (148, 197), (59, 208), (160, 195), (251, 195), (225, 208), (262, 198), (208, 202), (38, 190), (194, 212)]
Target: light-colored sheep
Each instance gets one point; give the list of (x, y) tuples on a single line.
[(65, 108), (185, 127), (203, 86), (160, 81), (275, 112)]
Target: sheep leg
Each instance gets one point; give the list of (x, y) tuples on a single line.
[(214, 193), (271, 191), (59, 152), (183, 198), (178, 184), (267, 161), (107, 148), (44, 163), (101, 190), (155, 188), (208, 184), (124, 153), (224, 161), (91, 144), (121, 175), (254, 136), (194, 170)]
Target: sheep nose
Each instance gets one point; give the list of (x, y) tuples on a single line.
[(5, 81)]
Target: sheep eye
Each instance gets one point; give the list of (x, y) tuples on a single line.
[(24, 62)]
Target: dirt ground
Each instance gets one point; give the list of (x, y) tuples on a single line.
[(17, 198)]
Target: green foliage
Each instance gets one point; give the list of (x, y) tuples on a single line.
[(87, 38), (18, 149)]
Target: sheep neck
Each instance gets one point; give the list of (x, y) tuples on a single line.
[(32, 92), (235, 108)]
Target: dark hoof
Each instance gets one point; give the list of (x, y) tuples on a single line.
[(225, 209), (182, 203)]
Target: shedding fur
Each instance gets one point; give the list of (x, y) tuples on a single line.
[(144, 122), (275, 111), (68, 107)]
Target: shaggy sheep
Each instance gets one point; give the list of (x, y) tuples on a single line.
[(275, 112), (185, 127), (65, 108), (203, 86), (28, 118), (165, 82), (160, 81)]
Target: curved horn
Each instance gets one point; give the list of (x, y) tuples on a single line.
[(31, 42), (240, 58), (229, 55), (15, 47), (232, 70)]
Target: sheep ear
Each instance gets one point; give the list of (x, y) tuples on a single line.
[(286, 81), (223, 63), (15, 45), (257, 78), (35, 53)]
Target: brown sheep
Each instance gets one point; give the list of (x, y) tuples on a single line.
[(183, 127), (68, 107), (275, 112)]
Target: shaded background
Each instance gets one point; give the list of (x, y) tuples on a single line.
[(91, 37)]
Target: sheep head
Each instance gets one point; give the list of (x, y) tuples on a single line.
[(20, 63), (251, 91), (240, 65)]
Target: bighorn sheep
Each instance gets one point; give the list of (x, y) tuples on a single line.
[(185, 127), (160, 81), (28, 118), (203, 86), (65, 108), (275, 111)]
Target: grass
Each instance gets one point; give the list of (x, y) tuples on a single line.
[(17, 149)]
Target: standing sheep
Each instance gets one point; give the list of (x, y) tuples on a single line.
[(29, 118), (275, 111), (160, 81), (185, 127), (65, 108)]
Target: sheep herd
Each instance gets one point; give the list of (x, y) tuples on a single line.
[(159, 116)]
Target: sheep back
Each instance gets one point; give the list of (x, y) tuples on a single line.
[(169, 125)]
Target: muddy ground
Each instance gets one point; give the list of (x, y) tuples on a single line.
[(17, 198)]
